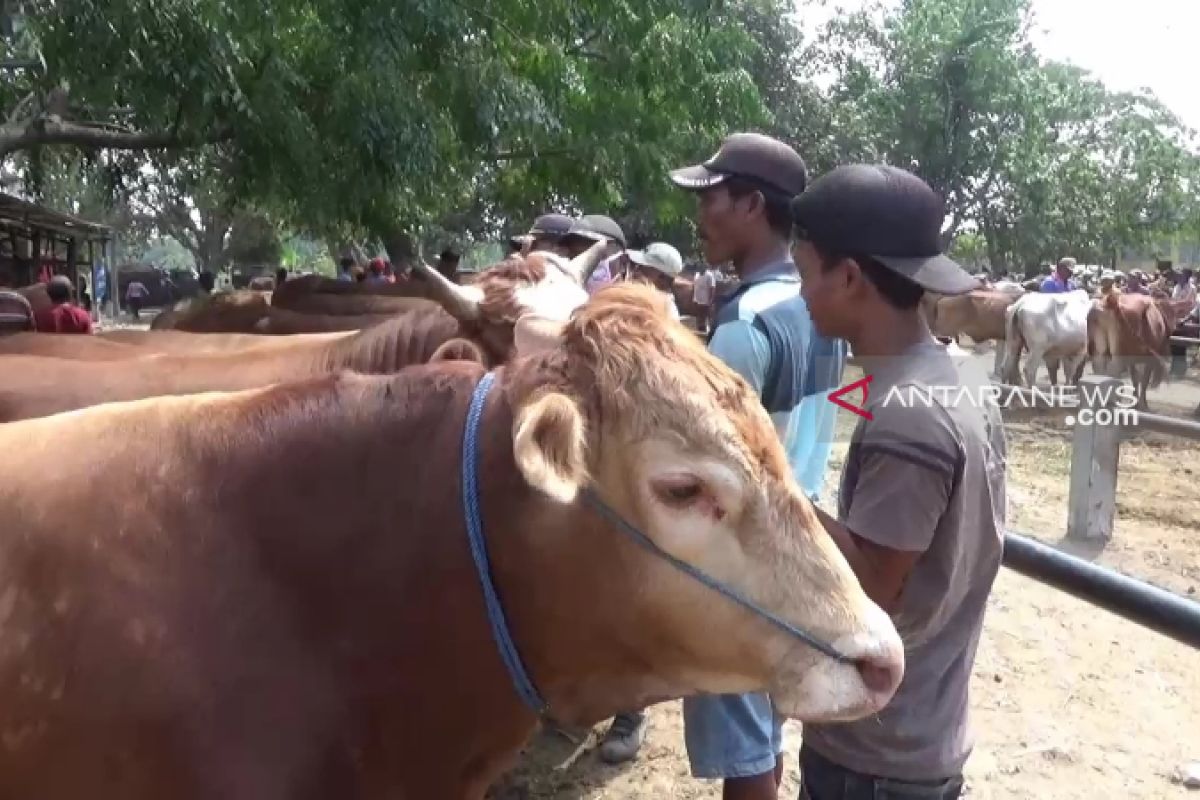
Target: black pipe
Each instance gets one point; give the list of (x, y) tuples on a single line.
[(1155, 608)]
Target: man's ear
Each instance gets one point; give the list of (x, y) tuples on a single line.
[(854, 277), (550, 446)]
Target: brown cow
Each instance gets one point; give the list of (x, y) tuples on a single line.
[(1131, 333), (117, 345), (486, 314), (16, 312), (36, 295), (313, 294), (36, 386), (227, 625), (979, 314), (223, 312), (246, 311), (282, 322)]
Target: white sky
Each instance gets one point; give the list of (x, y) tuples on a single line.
[(1128, 44)]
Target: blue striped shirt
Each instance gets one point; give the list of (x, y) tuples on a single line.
[(765, 334)]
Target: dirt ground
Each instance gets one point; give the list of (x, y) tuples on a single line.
[(1068, 701)]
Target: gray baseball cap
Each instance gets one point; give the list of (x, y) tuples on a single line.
[(658, 256), (598, 228)]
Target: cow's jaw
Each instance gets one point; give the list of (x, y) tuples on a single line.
[(783, 562)]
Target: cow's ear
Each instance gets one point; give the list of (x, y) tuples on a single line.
[(550, 444)]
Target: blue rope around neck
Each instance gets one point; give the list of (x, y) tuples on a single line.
[(495, 611)]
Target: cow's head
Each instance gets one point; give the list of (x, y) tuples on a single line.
[(628, 402), (541, 284)]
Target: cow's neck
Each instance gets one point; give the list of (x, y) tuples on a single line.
[(406, 339), (569, 596)]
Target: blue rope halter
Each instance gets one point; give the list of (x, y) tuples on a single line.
[(495, 610)]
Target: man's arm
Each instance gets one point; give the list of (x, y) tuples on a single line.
[(905, 469), (882, 571), (745, 350)]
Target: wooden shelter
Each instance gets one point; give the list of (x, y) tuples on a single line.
[(37, 243)]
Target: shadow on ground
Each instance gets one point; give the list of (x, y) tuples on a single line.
[(555, 766)]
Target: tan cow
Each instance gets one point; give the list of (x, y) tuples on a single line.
[(118, 345), (979, 314), (226, 625)]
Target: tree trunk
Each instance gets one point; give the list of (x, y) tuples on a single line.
[(400, 246)]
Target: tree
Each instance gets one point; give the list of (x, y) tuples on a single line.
[(379, 117), (1038, 158)]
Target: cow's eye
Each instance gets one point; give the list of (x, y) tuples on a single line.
[(679, 491)]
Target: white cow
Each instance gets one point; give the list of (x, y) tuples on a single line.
[(1055, 328)]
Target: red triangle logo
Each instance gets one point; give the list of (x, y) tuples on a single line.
[(860, 409)]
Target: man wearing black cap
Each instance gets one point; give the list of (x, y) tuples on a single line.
[(764, 332), (922, 502)]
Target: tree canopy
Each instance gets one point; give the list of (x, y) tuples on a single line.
[(448, 119)]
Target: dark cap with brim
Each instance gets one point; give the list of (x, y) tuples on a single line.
[(761, 159), (886, 214), (548, 226), (597, 228)]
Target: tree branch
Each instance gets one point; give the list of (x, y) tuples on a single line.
[(525, 155), (580, 45), (51, 132)]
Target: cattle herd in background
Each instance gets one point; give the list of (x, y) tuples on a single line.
[(1121, 324), (328, 325)]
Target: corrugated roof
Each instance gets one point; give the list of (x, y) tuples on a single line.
[(15, 212)]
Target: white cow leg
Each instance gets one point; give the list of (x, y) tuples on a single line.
[(1032, 363)]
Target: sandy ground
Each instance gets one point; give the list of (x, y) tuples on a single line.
[(1068, 701)]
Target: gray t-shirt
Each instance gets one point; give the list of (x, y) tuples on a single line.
[(925, 475)]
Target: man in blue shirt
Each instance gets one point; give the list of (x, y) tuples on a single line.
[(1060, 281), (764, 332)]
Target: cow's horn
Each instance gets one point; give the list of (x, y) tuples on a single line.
[(461, 302), (583, 265)]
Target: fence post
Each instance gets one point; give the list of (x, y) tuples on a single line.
[(1095, 453)]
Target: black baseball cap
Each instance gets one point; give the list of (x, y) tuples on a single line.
[(598, 228), (886, 214), (748, 155)]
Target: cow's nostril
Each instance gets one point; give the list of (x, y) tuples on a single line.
[(881, 673)]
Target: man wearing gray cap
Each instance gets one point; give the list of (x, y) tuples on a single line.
[(921, 508), (546, 233), (764, 332)]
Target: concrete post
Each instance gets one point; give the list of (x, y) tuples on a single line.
[(1095, 454)]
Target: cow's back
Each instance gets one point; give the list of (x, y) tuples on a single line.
[(1054, 320), (80, 348), (223, 312)]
